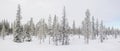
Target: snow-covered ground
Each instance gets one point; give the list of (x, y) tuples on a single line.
[(76, 44)]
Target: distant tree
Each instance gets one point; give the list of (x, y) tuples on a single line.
[(7, 27), (3, 32), (93, 28), (13, 27), (101, 32), (27, 32), (38, 30), (55, 31), (79, 31), (41, 28), (32, 27), (74, 28), (97, 27), (116, 33), (50, 22), (50, 28)]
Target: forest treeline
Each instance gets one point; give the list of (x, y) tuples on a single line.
[(58, 31)]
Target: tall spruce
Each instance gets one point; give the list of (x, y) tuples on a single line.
[(87, 27), (93, 28), (101, 32), (65, 37), (97, 28), (50, 28), (18, 36), (32, 27), (55, 30)]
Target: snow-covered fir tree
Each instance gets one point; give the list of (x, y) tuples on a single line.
[(18, 35), (55, 36), (50, 28), (96, 27), (41, 30), (7, 27), (87, 27), (101, 32), (64, 35), (32, 27), (27, 32), (79, 31), (93, 28)]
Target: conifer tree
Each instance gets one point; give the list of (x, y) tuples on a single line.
[(93, 28), (74, 28), (50, 28), (18, 36), (64, 34), (86, 27), (101, 32), (3, 32)]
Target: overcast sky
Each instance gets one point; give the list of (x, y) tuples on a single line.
[(106, 10)]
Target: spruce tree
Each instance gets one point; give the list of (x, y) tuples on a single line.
[(18, 36), (93, 28), (86, 27), (64, 35), (50, 28), (101, 32), (32, 27)]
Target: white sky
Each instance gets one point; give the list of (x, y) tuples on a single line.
[(106, 10)]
